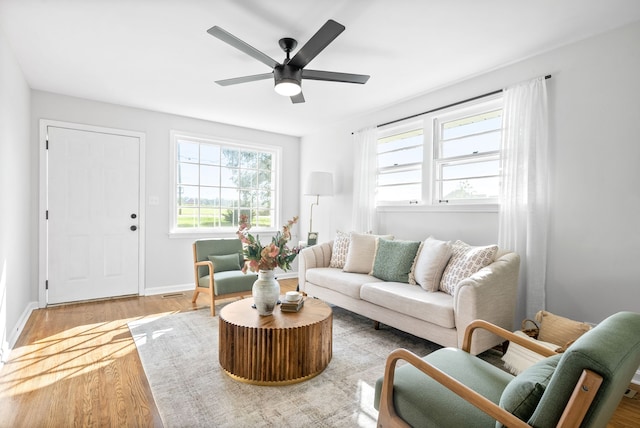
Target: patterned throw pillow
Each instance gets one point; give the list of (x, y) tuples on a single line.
[(465, 261), (340, 249)]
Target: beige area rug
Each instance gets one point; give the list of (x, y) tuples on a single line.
[(179, 354)]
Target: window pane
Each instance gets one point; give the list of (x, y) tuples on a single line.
[(210, 196), (187, 151), (229, 177), (474, 169), (230, 157), (401, 177), (474, 188), (187, 173), (265, 161), (208, 217), (401, 157), (187, 195), (209, 154), (407, 192), (476, 144), (209, 175), (490, 121), (248, 178), (248, 160), (229, 197), (410, 139)]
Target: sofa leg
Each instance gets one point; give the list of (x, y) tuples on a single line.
[(376, 325)]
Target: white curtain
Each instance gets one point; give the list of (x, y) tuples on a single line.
[(364, 180), (524, 196)]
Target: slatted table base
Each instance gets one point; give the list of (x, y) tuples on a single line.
[(278, 349)]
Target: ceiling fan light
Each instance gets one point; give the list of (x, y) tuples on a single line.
[(288, 88)]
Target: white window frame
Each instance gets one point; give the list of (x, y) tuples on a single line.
[(430, 195), (174, 230), (398, 129), (484, 105)]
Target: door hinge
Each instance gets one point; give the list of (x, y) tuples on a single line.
[(46, 215), (46, 147), (46, 284)]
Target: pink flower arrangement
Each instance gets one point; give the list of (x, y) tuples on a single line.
[(275, 254)]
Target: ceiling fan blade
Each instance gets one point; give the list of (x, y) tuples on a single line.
[(325, 35), (296, 99), (333, 76), (244, 79), (232, 40)]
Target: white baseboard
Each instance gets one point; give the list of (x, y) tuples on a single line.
[(636, 378), (16, 331), (168, 289)]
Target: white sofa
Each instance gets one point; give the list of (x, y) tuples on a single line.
[(488, 294)]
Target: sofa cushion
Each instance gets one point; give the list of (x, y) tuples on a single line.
[(394, 259), (436, 308), (230, 281), (225, 262), (362, 252), (343, 282), (340, 250), (523, 393), (465, 261), (431, 262)]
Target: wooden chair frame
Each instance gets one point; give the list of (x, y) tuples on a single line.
[(211, 291), (575, 411)]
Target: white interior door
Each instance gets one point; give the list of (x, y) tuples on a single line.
[(93, 186)]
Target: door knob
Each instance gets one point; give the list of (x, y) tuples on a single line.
[(134, 228)]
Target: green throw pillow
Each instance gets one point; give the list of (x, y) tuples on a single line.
[(225, 262), (523, 393), (394, 260)]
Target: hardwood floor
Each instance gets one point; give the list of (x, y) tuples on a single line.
[(77, 365)]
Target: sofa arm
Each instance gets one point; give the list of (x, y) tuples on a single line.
[(313, 257), (489, 294)]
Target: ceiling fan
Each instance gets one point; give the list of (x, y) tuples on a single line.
[(288, 75)]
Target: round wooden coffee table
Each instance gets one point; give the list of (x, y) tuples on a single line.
[(278, 349)]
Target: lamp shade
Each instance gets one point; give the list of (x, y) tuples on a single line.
[(319, 184)]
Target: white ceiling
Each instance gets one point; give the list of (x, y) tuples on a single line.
[(157, 55)]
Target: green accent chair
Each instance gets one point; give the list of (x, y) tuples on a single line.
[(581, 387), (217, 265)]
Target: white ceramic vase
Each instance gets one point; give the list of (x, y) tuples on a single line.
[(266, 291)]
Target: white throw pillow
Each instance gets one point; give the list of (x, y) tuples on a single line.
[(340, 250), (465, 261), (362, 252), (431, 262)]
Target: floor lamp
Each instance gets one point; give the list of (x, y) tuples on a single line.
[(318, 184)]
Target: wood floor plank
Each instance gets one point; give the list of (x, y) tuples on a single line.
[(77, 365)]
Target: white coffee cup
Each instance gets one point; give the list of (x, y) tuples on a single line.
[(292, 296)]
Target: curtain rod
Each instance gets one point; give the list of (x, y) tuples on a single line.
[(447, 106)]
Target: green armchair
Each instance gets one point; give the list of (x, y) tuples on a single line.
[(451, 388), (217, 265)]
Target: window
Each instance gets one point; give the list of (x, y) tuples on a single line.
[(467, 154), (400, 159), (449, 156), (216, 181)]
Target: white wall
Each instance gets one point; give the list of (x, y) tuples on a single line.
[(168, 260), (16, 225), (594, 244)]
